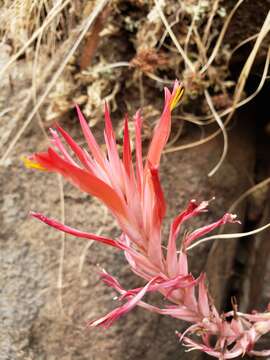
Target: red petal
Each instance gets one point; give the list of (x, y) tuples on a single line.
[(159, 196), (108, 126), (139, 161), (227, 218), (127, 158), (83, 179), (78, 151), (192, 210), (107, 320), (69, 230), (163, 127), (91, 141), (203, 298), (56, 141)]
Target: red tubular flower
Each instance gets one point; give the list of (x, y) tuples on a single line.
[(135, 198)]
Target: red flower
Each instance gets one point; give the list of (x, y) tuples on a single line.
[(134, 196)]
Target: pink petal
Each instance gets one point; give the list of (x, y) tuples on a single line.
[(91, 141), (112, 282), (159, 196), (180, 282), (161, 135), (69, 230), (163, 127), (107, 320), (78, 151), (227, 218), (192, 210), (59, 145), (182, 263), (203, 302), (83, 179), (189, 299), (210, 351), (127, 157), (180, 312), (139, 161), (111, 143)]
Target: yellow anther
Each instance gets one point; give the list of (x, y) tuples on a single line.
[(177, 97), (30, 164)]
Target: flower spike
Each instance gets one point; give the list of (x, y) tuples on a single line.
[(135, 198)]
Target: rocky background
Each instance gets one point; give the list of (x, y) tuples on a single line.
[(55, 54)]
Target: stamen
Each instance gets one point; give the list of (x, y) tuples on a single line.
[(177, 97), (30, 164)]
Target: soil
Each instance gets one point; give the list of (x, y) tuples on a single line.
[(38, 323)]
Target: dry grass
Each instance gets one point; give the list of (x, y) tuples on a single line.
[(40, 25), (229, 236), (202, 51), (28, 27), (86, 25)]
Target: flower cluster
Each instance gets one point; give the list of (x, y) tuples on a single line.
[(135, 198)]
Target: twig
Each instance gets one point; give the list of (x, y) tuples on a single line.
[(221, 36), (63, 240), (229, 236), (56, 76), (209, 22), (191, 27), (222, 127), (248, 39), (54, 11), (223, 113), (249, 192), (92, 40), (250, 60), (173, 37)]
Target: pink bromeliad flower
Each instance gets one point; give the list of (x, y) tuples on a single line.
[(135, 198)]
